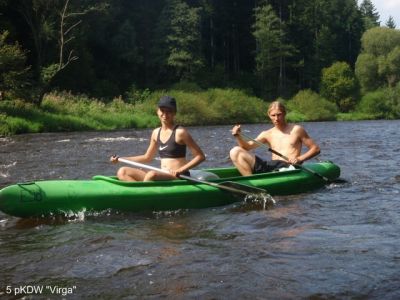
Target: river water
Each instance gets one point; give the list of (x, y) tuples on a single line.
[(339, 242)]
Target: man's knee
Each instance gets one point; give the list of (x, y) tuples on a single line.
[(235, 152)]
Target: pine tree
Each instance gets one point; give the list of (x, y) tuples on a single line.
[(390, 23), (271, 46), (370, 14), (177, 43)]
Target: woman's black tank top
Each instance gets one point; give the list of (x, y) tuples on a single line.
[(170, 149)]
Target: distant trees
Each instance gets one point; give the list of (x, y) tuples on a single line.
[(272, 49), (390, 23), (129, 45), (379, 62), (369, 14), (14, 74), (177, 46), (339, 85)]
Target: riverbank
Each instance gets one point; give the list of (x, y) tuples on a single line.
[(64, 112)]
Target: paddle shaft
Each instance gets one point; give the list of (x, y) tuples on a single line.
[(147, 167), (286, 158)]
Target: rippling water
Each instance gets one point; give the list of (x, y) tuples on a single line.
[(340, 242)]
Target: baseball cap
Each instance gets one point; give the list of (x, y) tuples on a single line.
[(167, 101)]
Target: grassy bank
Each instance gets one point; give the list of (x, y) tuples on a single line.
[(65, 112), (62, 112)]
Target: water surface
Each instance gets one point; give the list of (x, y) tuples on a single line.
[(339, 242)]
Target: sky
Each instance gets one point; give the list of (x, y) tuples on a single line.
[(387, 8)]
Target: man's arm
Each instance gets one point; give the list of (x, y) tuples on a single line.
[(246, 145), (313, 148)]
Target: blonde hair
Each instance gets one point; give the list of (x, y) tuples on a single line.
[(277, 105)]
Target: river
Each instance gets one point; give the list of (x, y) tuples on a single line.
[(339, 242)]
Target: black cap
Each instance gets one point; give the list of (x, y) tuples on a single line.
[(167, 101)]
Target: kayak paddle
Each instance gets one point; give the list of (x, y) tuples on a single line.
[(326, 179), (229, 186)]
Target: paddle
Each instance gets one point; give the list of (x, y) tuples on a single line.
[(326, 179), (230, 186)]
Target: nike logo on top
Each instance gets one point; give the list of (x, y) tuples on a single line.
[(162, 148)]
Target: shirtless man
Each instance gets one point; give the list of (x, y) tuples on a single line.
[(284, 138), (170, 141)]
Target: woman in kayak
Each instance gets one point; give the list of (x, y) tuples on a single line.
[(170, 141)]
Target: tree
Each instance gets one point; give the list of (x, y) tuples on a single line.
[(14, 74), (177, 43), (271, 47), (370, 14), (390, 23), (366, 71), (339, 85), (379, 62), (322, 31)]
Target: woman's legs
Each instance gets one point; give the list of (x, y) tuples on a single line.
[(133, 174)]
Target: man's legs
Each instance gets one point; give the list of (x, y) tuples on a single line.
[(243, 160)]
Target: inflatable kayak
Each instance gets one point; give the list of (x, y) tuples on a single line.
[(49, 197)]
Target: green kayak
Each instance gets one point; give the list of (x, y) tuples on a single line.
[(43, 198)]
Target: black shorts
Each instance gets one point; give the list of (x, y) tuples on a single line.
[(265, 166)]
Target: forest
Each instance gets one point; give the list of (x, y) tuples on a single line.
[(222, 60)]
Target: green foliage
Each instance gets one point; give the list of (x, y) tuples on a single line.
[(177, 44), (382, 104), (213, 106), (67, 112), (134, 95), (272, 49), (312, 106), (380, 41), (235, 106), (379, 63), (369, 14), (354, 116), (187, 86), (154, 44), (366, 71), (14, 74), (339, 85), (390, 23), (47, 73)]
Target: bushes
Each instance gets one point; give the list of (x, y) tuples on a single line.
[(339, 85), (382, 104), (312, 106), (67, 112)]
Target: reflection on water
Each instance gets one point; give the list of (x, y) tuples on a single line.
[(340, 242)]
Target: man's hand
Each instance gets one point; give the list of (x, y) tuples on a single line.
[(236, 130)]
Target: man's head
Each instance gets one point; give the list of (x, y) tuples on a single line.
[(277, 105), (277, 113)]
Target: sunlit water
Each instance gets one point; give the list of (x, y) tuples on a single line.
[(339, 242)]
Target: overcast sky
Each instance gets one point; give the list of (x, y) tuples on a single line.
[(387, 8)]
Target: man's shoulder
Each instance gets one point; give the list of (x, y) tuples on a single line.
[(298, 130)]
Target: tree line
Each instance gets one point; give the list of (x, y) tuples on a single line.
[(107, 48)]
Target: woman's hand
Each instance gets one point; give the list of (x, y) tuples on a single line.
[(177, 172), (114, 159)]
